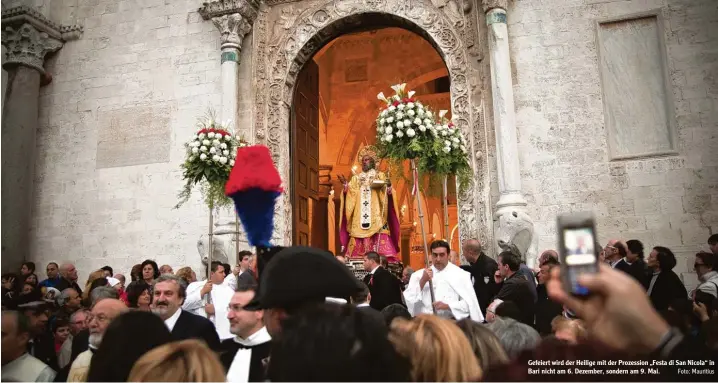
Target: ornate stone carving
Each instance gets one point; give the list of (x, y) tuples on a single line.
[(488, 5), (28, 46), (515, 232), (29, 36), (277, 65), (215, 8), (232, 29), (24, 14)]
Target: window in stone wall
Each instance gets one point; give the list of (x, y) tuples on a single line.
[(637, 100)]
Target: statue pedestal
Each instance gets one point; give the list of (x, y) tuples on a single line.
[(224, 239)]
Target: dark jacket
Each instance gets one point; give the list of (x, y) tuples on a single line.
[(384, 287), (482, 273), (43, 348), (546, 311), (667, 288), (623, 266), (518, 290), (65, 284), (639, 270), (260, 352), (191, 326), (246, 279), (529, 274)]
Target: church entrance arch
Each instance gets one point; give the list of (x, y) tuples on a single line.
[(279, 62)]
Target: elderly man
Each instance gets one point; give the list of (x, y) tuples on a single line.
[(454, 294), (482, 269), (71, 300), (78, 322), (243, 356), (166, 269), (103, 313), (17, 364), (168, 295), (68, 278)]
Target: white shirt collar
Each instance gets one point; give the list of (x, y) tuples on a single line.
[(626, 260), (172, 321), (374, 270), (363, 305), (259, 337)]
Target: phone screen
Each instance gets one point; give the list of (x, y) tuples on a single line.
[(579, 256)]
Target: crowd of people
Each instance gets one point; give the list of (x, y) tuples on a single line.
[(299, 314)]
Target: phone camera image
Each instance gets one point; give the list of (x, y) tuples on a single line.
[(580, 256)]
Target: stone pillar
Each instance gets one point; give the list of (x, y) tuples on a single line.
[(509, 175), (513, 228), (26, 49), (232, 28), (233, 19)]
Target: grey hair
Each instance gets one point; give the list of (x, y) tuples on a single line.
[(409, 270), (78, 312), (64, 296), (103, 292), (514, 336), (173, 278)]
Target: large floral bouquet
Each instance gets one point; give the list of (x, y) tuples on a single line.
[(449, 154), (210, 155), (403, 127)]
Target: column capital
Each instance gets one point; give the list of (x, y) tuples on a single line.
[(216, 8), (232, 28), (29, 36), (488, 5), (28, 46)]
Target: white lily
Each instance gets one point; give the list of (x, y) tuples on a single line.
[(442, 113), (411, 93), (381, 97)]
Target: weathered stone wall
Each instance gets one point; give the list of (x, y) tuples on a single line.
[(143, 70), (670, 200)]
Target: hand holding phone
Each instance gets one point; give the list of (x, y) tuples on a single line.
[(577, 250)]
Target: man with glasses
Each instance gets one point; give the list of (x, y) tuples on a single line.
[(704, 266), (243, 355), (102, 314)]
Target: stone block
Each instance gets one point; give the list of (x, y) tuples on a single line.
[(646, 206), (647, 179), (134, 136)]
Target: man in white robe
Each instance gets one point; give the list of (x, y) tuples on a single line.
[(17, 364), (218, 307), (454, 293)]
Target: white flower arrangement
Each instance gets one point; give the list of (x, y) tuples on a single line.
[(402, 125), (209, 158)]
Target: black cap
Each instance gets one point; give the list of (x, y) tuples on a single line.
[(302, 274)]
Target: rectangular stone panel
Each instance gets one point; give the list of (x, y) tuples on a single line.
[(636, 94), (134, 136)]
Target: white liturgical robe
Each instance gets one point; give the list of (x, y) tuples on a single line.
[(453, 286), (221, 295)]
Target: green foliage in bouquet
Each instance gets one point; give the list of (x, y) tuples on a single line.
[(209, 160), (448, 153)]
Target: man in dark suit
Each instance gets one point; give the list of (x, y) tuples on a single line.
[(246, 322), (482, 269), (385, 288), (169, 294), (515, 287)]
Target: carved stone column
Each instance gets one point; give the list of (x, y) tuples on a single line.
[(509, 176), (233, 19), (27, 37), (513, 227)]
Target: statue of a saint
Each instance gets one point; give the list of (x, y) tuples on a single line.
[(369, 218)]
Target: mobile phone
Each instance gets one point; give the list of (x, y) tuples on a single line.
[(577, 250)]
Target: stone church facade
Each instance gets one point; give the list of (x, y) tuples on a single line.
[(601, 105)]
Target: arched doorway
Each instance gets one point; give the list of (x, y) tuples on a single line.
[(333, 113), (281, 53)]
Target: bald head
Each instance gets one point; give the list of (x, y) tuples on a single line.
[(68, 271), (614, 250), (546, 255), (103, 313), (472, 250)]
